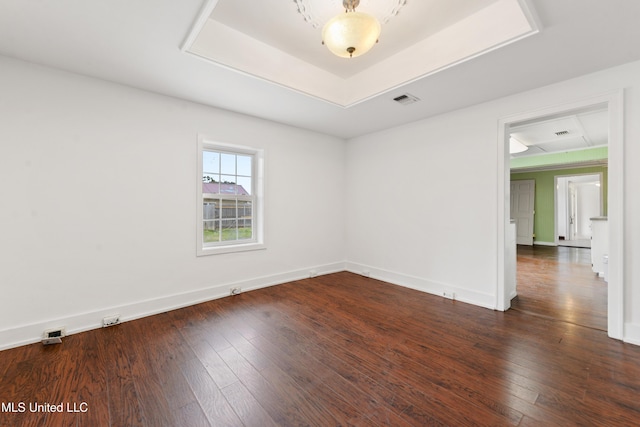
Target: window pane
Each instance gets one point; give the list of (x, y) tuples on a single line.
[(228, 163), (245, 220), (244, 165), (210, 209), (229, 230), (209, 178), (210, 231), (212, 187), (244, 185), (245, 233), (228, 184), (210, 162), (229, 209), (210, 223)]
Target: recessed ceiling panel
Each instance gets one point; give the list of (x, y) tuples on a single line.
[(555, 130), (565, 144), (579, 131), (280, 41)]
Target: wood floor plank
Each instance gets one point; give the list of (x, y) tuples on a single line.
[(272, 393), (148, 386), (171, 352), (284, 380), (424, 371), (218, 370), (89, 377), (558, 282), (248, 409), (284, 349), (191, 415), (525, 358), (56, 389), (81, 385), (301, 400), (339, 349), (123, 398), (330, 354), (388, 367), (320, 382), (212, 401)]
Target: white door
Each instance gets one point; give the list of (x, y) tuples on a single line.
[(522, 199), (573, 211)]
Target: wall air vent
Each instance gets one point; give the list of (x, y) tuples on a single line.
[(406, 99), (562, 133)]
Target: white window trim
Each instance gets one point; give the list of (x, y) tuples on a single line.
[(258, 242)]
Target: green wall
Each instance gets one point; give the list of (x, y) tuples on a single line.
[(563, 158), (544, 221)]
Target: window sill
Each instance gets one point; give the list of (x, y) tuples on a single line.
[(217, 250)]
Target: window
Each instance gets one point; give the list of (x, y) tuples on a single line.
[(229, 198)]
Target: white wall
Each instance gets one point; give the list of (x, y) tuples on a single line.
[(562, 208), (588, 207), (97, 183), (442, 172), (84, 163), (414, 217)]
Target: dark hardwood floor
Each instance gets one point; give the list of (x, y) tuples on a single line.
[(334, 350), (558, 282)]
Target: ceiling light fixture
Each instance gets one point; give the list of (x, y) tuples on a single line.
[(516, 146), (351, 33)]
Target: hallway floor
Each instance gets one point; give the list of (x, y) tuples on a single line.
[(558, 283)]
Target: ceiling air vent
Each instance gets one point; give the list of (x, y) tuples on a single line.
[(406, 99), (562, 132)]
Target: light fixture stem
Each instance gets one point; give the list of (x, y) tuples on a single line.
[(350, 5)]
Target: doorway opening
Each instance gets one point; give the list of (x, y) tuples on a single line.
[(555, 278), (612, 104), (579, 199)]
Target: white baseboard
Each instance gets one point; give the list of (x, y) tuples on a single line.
[(541, 243), (424, 285), (32, 333), (632, 333), (80, 322)]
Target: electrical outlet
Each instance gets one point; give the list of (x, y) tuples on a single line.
[(449, 295), (110, 320), (235, 291), (313, 273), (366, 273)]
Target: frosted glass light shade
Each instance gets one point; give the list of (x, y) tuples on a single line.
[(516, 146), (351, 34)]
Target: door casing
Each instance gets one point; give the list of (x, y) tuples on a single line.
[(614, 102)]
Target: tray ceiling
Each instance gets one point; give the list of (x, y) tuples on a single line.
[(139, 44), (281, 41)]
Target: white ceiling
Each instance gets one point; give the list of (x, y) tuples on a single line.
[(280, 24), (281, 41), (579, 131), (138, 43)]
